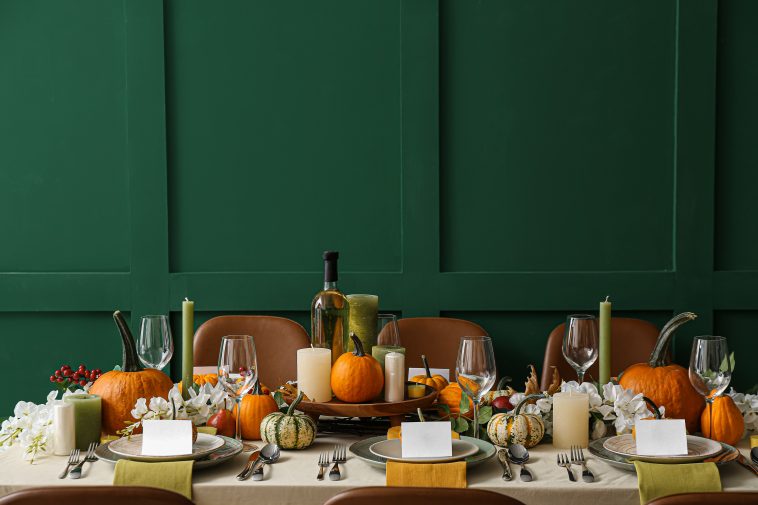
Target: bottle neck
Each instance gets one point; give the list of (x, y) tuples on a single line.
[(330, 274), (330, 286)]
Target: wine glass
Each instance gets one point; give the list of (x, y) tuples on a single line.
[(237, 369), (155, 346), (475, 370), (710, 369), (388, 337), (580, 345)]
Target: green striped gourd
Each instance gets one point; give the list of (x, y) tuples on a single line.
[(290, 430), (516, 428)]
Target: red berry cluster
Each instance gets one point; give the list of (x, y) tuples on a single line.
[(66, 376)]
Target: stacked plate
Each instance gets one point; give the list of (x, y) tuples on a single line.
[(208, 450), (378, 450)]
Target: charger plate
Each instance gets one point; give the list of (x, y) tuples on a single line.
[(728, 454), (131, 448), (221, 455), (361, 449), (393, 451), (698, 448)]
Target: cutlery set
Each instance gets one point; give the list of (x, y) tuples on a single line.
[(339, 455), (78, 464), (576, 457), (257, 460), (519, 455)]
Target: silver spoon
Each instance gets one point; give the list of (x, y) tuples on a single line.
[(269, 454), (519, 455)]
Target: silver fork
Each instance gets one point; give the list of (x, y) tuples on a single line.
[(577, 458), (323, 463), (563, 461), (339, 456), (73, 459), (89, 458)]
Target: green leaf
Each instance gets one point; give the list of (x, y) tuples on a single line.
[(484, 415), (464, 403), (461, 425), (723, 367), (444, 408), (279, 399), (117, 367)]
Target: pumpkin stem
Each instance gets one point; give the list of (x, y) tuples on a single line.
[(257, 387), (426, 366), (505, 380), (656, 412), (358, 345), (658, 356), (291, 409), (525, 400), (129, 359)]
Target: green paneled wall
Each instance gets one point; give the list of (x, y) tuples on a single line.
[(507, 162)]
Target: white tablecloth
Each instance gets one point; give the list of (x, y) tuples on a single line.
[(292, 480)]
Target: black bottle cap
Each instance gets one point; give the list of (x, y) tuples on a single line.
[(330, 266), (331, 255)]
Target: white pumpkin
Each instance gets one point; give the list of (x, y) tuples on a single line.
[(290, 430), (516, 428)]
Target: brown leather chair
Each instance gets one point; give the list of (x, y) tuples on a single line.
[(632, 340), (741, 498), (419, 496), (123, 495), (276, 341), (437, 338)]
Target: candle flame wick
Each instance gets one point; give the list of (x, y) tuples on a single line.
[(606, 298), (186, 299)]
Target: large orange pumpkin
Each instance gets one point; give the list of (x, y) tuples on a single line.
[(356, 376), (451, 396), (728, 423), (254, 408), (437, 381), (667, 384), (120, 389)]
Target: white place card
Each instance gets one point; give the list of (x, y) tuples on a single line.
[(427, 440), (166, 438), (445, 372), (661, 437)]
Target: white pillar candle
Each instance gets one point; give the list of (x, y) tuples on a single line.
[(64, 429), (394, 377), (314, 370), (571, 413)]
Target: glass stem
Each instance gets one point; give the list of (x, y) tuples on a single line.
[(580, 374), (476, 418), (237, 433), (710, 418)]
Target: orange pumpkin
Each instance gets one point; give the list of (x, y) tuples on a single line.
[(254, 408), (667, 384), (436, 381), (120, 389), (200, 379), (356, 376), (728, 423), (451, 396)]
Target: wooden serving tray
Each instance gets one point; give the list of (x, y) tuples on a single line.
[(378, 408)]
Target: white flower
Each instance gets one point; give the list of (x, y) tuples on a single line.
[(598, 429), (140, 408), (585, 387), (748, 406)]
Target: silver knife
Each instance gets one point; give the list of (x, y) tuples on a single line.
[(502, 456), (245, 473)]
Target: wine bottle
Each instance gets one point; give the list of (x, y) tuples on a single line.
[(330, 312)]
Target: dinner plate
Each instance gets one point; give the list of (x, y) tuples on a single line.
[(361, 450), (624, 463), (393, 451), (224, 453), (698, 448), (131, 448)]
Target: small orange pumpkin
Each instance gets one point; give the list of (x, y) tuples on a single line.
[(254, 408), (356, 376), (120, 389), (200, 379), (436, 381), (728, 423), (451, 396)]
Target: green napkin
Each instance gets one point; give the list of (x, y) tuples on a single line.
[(208, 430), (656, 480), (174, 476)]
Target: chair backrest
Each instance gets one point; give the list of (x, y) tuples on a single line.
[(123, 495), (632, 340), (722, 498), (435, 337), (276, 341), (419, 496)]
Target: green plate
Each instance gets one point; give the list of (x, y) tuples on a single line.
[(224, 453), (361, 450)]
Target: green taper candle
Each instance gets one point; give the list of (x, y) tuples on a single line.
[(87, 419), (188, 334), (605, 342)]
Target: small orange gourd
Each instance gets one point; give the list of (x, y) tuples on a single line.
[(436, 381), (254, 407), (451, 396), (356, 376), (728, 423)]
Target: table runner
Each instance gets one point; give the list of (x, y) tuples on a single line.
[(293, 479)]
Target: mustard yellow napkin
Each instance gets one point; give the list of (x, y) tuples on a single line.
[(426, 475), (753, 441), (656, 480), (174, 476)]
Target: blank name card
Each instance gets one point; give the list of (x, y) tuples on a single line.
[(661, 437), (427, 440), (166, 438), (445, 372)]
